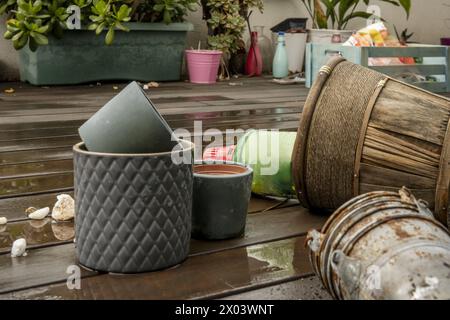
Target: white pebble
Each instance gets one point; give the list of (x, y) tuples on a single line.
[(18, 248), (39, 214), (3, 221), (64, 208)]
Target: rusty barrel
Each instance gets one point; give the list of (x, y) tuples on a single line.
[(362, 131), (383, 245)]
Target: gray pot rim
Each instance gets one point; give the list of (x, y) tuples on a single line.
[(248, 171), (187, 146)]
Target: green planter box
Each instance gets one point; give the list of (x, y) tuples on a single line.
[(436, 61), (149, 52)]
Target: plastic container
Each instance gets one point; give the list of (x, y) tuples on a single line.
[(269, 154), (280, 61), (149, 52), (254, 150), (203, 65), (296, 48), (289, 24)]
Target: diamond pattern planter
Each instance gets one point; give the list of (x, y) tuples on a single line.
[(133, 212)]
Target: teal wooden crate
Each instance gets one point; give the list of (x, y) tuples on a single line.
[(436, 61)]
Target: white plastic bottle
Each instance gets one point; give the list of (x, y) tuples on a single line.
[(280, 61)]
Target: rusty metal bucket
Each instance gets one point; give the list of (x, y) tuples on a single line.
[(383, 245)]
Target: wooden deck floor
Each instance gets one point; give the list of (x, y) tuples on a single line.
[(38, 127)]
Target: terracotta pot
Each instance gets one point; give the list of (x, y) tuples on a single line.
[(221, 195)]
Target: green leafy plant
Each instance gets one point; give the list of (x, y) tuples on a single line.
[(226, 20), (32, 21), (336, 14)]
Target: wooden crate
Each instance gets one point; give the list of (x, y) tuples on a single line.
[(436, 61)]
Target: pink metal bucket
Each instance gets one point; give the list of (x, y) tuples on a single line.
[(203, 65)]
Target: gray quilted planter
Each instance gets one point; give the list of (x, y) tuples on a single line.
[(133, 212)]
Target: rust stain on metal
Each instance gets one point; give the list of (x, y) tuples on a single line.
[(397, 226)]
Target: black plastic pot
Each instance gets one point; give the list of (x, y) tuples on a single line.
[(221, 196), (133, 212), (291, 23)]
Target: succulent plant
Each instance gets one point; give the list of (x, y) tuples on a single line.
[(226, 21), (32, 21)]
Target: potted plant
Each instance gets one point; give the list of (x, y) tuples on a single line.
[(226, 21), (143, 39), (331, 17)]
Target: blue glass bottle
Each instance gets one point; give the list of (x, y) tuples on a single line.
[(280, 61)]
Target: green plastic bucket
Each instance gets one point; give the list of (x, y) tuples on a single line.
[(268, 153)]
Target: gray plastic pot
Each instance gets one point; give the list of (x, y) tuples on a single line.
[(133, 212), (222, 192), (129, 123)]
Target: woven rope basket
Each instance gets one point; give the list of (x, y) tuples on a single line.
[(361, 131)]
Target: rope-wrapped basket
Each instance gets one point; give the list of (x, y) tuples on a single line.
[(362, 131)]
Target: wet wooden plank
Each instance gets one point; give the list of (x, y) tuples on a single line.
[(206, 114), (176, 119), (204, 276), (43, 143), (309, 288), (14, 208), (7, 120), (14, 157), (71, 94), (50, 124), (16, 153), (262, 227), (38, 233), (39, 267), (30, 169), (181, 106), (36, 184), (37, 133)]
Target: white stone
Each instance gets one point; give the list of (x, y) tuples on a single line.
[(39, 214), (18, 248), (64, 208), (3, 221)]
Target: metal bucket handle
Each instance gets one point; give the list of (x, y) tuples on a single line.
[(349, 271), (422, 206)]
